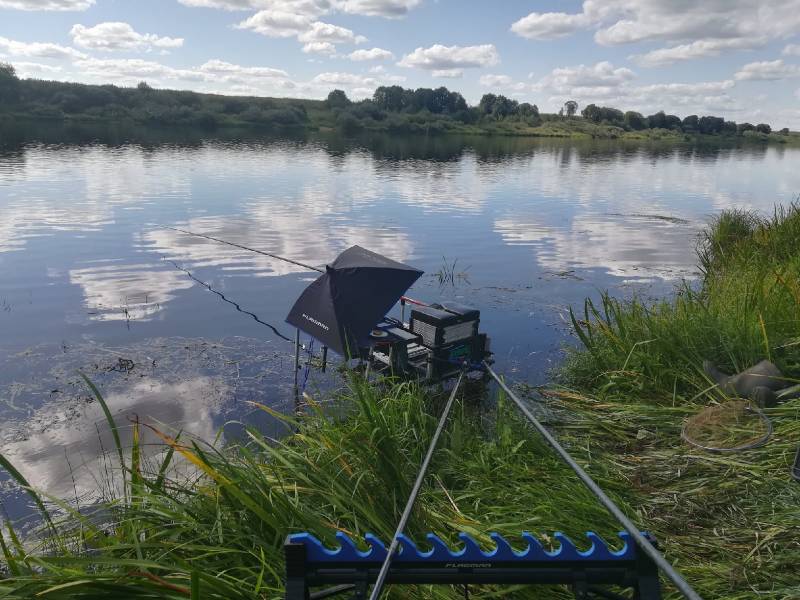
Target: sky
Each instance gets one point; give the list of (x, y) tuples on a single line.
[(739, 59)]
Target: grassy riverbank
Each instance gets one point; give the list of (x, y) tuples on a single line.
[(729, 522)]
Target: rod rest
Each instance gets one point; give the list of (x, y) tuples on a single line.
[(310, 564), (348, 552)]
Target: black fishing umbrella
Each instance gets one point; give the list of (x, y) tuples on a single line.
[(345, 303)]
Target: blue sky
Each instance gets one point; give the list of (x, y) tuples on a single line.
[(735, 58)]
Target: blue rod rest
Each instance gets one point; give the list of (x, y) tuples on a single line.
[(310, 564), (348, 552)]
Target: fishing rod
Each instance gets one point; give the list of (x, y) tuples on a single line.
[(240, 246), (378, 588), (228, 300), (641, 541)]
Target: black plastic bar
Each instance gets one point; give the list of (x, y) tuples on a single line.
[(641, 541), (376, 591)]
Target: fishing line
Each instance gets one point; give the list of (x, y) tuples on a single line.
[(641, 541), (229, 301), (213, 239), (376, 590)]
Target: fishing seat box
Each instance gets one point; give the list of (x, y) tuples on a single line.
[(444, 324)]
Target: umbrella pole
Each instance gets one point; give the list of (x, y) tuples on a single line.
[(324, 358), (296, 370)]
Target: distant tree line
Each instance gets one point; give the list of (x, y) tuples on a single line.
[(142, 104), (396, 108), (634, 121), (391, 108)]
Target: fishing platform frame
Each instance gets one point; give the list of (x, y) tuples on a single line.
[(310, 564)]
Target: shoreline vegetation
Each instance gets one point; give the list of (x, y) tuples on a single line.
[(391, 109), (728, 522)]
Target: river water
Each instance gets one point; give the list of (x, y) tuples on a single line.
[(89, 280)]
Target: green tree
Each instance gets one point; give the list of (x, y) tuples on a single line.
[(658, 120), (392, 98), (337, 99), (763, 128), (635, 121), (691, 123), (528, 110), (742, 127), (486, 105), (9, 83), (673, 122), (570, 108), (711, 125), (592, 112)]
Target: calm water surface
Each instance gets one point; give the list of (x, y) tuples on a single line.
[(88, 279)]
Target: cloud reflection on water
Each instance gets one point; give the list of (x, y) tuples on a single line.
[(67, 450)]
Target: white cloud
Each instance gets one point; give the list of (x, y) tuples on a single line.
[(32, 69), (319, 48), (507, 84), (39, 50), (692, 29), (491, 80), (345, 79), (797, 93), (697, 49), (371, 54), (312, 8), (276, 23), (333, 34), (135, 68), (768, 70), (449, 73), (119, 36), (377, 8), (220, 67), (316, 36), (602, 74), (58, 5), (792, 50), (547, 26), (439, 57)]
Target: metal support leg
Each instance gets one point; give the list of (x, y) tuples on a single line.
[(296, 370), (324, 358), (648, 585), (296, 586)]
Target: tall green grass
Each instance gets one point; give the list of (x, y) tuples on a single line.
[(746, 309), (732, 520), (221, 532)]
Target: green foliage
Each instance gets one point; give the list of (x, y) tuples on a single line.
[(337, 99), (146, 105), (395, 98), (747, 308), (221, 529), (9, 83), (391, 108)]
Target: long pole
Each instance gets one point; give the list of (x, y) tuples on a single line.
[(607, 502), (376, 591), (213, 239)]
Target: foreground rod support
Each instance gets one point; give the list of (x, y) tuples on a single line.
[(641, 541), (376, 591)]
